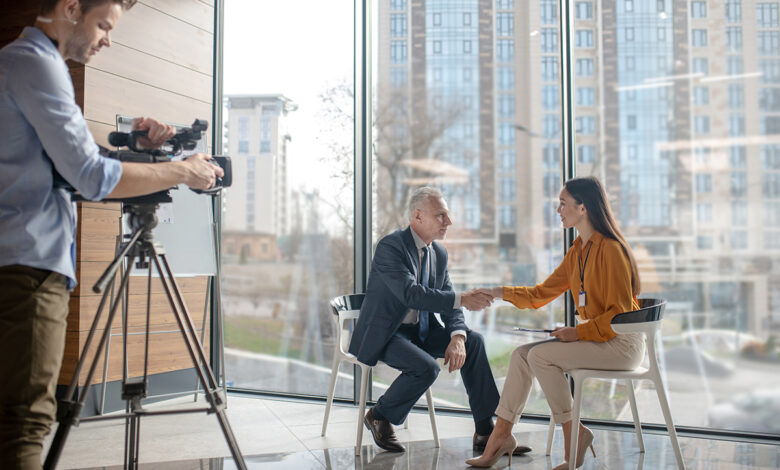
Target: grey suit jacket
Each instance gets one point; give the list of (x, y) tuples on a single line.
[(393, 290)]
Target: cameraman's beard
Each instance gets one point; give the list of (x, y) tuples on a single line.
[(78, 46)]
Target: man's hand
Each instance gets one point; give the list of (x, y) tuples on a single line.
[(158, 132), (455, 354), (566, 334), (200, 173), (475, 300), (494, 292)]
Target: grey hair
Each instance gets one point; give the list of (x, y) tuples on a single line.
[(420, 196)]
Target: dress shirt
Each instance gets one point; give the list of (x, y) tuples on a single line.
[(42, 126), (607, 284), (413, 316)]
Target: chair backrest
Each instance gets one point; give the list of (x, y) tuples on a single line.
[(646, 320), (345, 308)]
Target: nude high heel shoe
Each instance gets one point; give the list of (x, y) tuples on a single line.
[(507, 447), (585, 442)]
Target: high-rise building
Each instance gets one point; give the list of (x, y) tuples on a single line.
[(257, 143), (468, 99)]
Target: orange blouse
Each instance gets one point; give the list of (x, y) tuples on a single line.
[(607, 286)]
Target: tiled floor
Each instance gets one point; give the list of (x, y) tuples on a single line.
[(286, 435)]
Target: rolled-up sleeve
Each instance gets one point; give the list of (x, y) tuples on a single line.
[(48, 103)]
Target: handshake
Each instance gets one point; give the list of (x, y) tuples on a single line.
[(481, 297)]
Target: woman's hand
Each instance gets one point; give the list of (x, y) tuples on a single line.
[(567, 334)]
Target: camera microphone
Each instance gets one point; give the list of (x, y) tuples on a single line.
[(118, 139)]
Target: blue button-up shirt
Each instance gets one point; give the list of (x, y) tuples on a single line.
[(42, 126)]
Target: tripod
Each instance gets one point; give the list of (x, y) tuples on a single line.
[(142, 248)]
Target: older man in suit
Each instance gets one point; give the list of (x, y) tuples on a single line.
[(408, 290)]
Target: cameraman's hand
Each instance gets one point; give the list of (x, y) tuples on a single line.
[(200, 173), (158, 132)]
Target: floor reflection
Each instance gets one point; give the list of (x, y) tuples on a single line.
[(614, 449)]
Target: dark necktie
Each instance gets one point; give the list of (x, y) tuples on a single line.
[(424, 279)]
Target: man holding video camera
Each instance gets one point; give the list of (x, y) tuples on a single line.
[(42, 131)]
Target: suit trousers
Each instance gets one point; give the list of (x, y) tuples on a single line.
[(419, 370), (548, 360), (33, 313)]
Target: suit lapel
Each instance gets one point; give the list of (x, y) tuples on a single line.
[(411, 248)]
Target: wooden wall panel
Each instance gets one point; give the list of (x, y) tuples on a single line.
[(159, 65)]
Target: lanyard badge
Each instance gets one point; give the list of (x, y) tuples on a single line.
[(582, 297)]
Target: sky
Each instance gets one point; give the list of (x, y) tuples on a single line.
[(298, 49)]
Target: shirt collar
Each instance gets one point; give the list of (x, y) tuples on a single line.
[(39, 37), (596, 238), (418, 242)]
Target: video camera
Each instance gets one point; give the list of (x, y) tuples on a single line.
[(186, 139)]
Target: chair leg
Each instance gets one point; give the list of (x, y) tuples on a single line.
[(334, 373), (363, 393), (432, 414), (575, 424), (635, 414), (550, 434), (659, 388)]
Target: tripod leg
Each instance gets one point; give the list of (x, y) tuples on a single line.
[(195, 349)]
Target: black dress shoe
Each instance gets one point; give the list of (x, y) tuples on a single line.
[(479, 443), (383, 433)]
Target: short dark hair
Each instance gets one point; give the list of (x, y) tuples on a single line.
[(48, 5)]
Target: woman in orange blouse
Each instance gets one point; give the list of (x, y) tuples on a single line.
[(600, 271)]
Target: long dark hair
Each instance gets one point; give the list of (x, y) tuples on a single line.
[(589, 191)]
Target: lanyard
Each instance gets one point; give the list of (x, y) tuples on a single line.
[(582, 266)]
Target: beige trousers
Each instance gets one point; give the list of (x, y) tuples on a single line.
[(548, 360)]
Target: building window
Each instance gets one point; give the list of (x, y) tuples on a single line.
[(739, 240), (768, 42), (698, 9), (505, 4), (701, 65), (505, 50), (549, 40), (398, 4), (584, 10), (265, 146), (704, 212), (701, 124), (586, 96), (631, 122), (398, 52), (467, 74), (505, 24), (704, 183), (550, 96), (506, 106), (507, 216), (699, 38), (398, 77), (506, 134), (586, 154), (738, 184), (704, 242), (766, 15), (584, 67), (734, 65), (506, 78), (629, 33), (629, 5), (584, 38), (586, 125), (243, 134), (398, 25), (466, 18), (733, 11), (701, 95), (736, 125), (437, 19), (739, 213), (467, 46), (734, 38), (770, 157), (437, 47), (506, 160), (551, 126), (507, 190), (549, 69), (549, 12), (770, 185), (661, 34), (770, 71), (736, 96), (771, 214), (737, 156), (630, 63)]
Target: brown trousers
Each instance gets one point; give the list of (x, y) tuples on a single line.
[(33, 313)]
